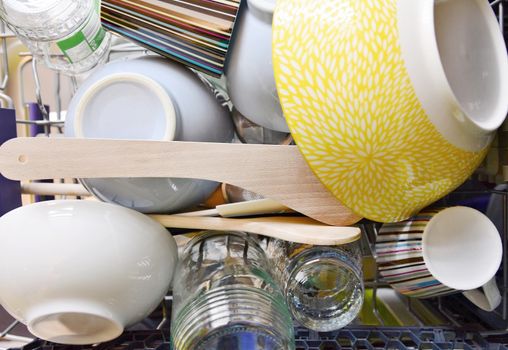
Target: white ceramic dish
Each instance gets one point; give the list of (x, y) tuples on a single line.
[(442, 251), (148, 98), (249, 71), (79, 272)]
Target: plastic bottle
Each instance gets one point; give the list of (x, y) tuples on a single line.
[(66, 34)]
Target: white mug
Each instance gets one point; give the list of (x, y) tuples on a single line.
[(440, 252), (80, 272), (249, 72)]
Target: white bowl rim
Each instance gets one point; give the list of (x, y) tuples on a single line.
[(152, 85), (416, 21)]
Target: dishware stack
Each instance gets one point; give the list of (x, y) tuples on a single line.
[(397, 129), (392, 104)]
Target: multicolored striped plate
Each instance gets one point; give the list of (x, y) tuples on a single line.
[(196, 33)]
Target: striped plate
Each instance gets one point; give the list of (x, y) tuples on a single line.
[(196, 33)]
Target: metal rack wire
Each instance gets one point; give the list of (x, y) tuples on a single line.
[(486, 324)]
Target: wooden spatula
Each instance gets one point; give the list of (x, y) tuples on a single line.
[(246, 208), (274, 171), (294, 229)]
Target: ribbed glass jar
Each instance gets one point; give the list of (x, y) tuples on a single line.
[(224, 297)]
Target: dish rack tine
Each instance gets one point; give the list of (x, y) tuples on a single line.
[(10, 197), (9, 103), (8, 329), (38, 96)]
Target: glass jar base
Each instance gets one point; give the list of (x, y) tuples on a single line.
[(325, 292), (233, 315), (240, 337)]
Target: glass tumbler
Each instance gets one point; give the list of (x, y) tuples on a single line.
[(224, 297), (323, 284)]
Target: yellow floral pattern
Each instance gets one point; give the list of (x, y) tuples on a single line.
[(352, 109)]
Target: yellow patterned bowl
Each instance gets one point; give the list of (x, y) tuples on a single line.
[(393, 103)]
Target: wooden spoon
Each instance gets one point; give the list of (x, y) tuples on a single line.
[(253, 207), (289, 228), (273, 171)]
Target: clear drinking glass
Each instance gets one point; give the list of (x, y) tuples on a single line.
[(224, 297), (323, 284)]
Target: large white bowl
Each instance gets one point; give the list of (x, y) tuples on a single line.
[(79, 272), (148, 98)]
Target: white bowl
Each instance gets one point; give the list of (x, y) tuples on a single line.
[(148, 98), (79, 272)]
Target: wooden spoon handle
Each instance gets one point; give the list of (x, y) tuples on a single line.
[(54, 189), (294, 229), (274, 171)]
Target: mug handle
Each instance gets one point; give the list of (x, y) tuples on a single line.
[(488, 298)]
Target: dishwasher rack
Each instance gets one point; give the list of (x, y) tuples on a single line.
[(466, 327), (349, 338)]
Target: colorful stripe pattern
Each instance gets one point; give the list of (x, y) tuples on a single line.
[(400, 259), (196, 33)]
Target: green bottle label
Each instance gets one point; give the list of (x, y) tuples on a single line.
[(85, 41)]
